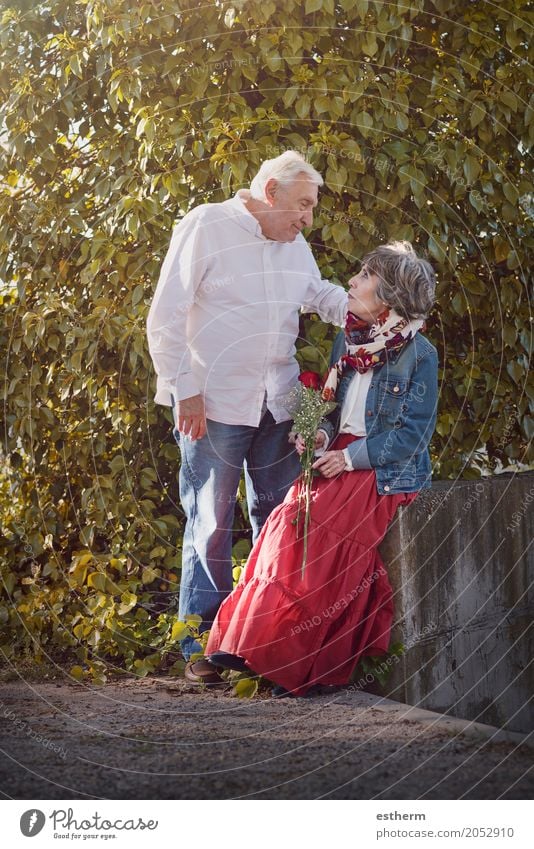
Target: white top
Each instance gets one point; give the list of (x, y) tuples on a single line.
[(352, 416), (225, 314), (353, 408)]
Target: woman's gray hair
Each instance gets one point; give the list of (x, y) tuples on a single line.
[(284, 168), (406, 282)]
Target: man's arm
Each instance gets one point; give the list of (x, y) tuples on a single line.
[(325, 298), (180, 276)]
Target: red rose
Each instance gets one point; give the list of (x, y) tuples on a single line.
[(311, 379)]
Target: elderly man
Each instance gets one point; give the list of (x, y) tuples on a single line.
[(221, 331)]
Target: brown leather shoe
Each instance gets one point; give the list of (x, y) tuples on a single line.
[(202, 672)]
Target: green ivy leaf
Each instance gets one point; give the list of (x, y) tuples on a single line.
[(516, 371), (477, 114), (98, 581), (128, 600), (77, 673), (246, 688), (472, 168), (179, 631), (74, 64), (302, 106)]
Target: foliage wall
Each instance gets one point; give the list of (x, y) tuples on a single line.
[(119, 117)]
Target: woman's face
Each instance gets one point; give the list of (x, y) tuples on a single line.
[(363, 300)]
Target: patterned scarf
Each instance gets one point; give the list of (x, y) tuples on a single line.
[(369, 345)]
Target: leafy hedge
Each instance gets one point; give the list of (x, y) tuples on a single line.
[(117, 119)]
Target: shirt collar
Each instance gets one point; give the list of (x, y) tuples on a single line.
[(236, 206)]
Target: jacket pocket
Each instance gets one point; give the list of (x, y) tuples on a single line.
[(392, 397)]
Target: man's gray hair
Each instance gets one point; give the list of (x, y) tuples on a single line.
[(284, 168), (406, 282)]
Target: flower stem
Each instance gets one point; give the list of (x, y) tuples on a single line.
[(307, 479)]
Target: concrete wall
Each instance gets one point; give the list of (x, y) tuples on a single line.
[(461, 562)]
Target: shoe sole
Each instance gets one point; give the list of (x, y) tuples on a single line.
[(200, 682)]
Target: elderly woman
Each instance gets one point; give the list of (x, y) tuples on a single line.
[(300, 629)]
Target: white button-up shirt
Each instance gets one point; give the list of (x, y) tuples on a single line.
[(225, 315), (352, 419)]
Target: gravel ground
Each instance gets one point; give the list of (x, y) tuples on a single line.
[(157, 739)]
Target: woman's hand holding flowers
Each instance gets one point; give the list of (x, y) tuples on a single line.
[(300, 445)]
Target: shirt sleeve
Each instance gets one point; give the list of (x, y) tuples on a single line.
[(348, 462), (181, 274), (327, 299)]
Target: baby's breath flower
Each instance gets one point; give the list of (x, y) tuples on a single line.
[(307, 408)]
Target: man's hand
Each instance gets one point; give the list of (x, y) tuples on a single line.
[(191, 417), (320, 438), (330, 464)]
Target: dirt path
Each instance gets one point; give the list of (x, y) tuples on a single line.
[(155, 739)]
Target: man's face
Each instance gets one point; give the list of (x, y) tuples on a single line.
[(291, 207)]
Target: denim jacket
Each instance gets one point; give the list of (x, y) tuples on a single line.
[(400, 416)]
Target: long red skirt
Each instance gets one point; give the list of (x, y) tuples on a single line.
[(303, 630)]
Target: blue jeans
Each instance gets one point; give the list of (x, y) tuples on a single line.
[(209, 477)]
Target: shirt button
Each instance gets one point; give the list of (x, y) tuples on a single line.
[(386, 488), (395, 389)]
